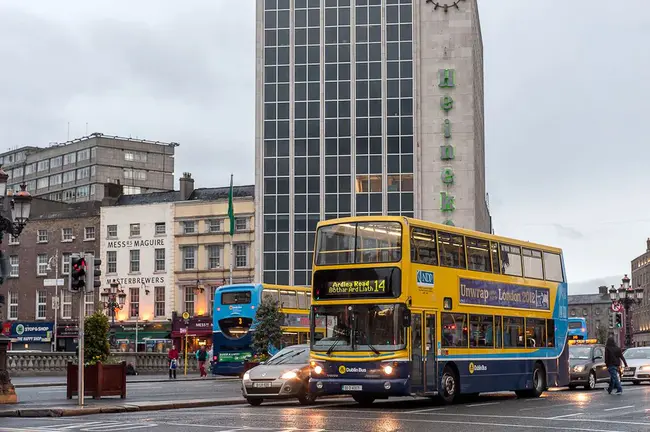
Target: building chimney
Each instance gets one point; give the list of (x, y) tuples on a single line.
[(187, 186), (603, 290), (647, 243)]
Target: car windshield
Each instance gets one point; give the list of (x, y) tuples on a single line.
[(580, 353), (290, 356), (637, 353), (363, 327)]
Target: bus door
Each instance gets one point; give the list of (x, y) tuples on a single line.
[(430, 358), (417, 363)]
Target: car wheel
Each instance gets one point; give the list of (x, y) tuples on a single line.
[(254, 401), (306, 398), (591, 381), (449, 386)]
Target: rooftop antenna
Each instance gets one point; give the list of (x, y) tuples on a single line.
[(86, 128), (68, 131)]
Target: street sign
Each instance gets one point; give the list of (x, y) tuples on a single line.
[(186, 315), (52, 282), (617, 307)]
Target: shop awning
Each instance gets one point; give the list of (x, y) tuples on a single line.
[(142, 335)]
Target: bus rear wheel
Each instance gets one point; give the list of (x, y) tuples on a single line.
[(539, 384), (363, 400), (449, 386)]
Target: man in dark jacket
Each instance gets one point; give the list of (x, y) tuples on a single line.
[(613, 357)]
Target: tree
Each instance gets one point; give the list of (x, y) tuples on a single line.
[(96, 347), (267, 330), (602, 333)]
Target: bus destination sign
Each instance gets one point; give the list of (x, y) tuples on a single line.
[(357, 283), (357, 287), (477, 292)]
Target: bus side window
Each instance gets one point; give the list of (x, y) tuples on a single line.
[(423, 246), (498, 332), (494, 248), (511, 260), (478, 254), (288, 299), (535, 332), (302, 301), (550, 332), (270, 294), (454, 330), (452, 250), (513, 332)]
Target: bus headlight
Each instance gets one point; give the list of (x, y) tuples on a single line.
[(289, 375), (318, 369), (247, 376), (388, 369)]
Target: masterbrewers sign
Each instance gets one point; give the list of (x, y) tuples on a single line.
[(477, 292)]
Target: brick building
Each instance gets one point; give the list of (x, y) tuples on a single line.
[(54, 231), (595, 308)]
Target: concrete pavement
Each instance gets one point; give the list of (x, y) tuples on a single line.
[(50, 381), (556, 411)]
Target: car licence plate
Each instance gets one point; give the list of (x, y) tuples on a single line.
[(262, 384), (352, 388), (628, 373)]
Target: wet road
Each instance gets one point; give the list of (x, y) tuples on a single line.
[(555, 411)]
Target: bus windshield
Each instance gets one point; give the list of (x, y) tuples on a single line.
[(362, 242), (362, 327), (575, 324)]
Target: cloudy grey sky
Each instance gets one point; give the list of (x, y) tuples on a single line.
[(566, 87)]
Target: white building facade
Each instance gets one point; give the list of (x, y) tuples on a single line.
[(137, 250)]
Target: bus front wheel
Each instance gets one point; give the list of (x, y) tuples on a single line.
[(363, 400), (449, 386)]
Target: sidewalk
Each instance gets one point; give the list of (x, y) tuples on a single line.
[(109, 405), (53, 381)]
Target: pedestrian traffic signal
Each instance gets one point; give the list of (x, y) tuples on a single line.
[(77, 278), (619, 320), (93, 272)]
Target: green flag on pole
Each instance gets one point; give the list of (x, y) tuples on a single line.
[(231, 209)]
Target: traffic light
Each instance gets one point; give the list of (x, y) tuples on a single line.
[(619, 320), (612, 320), (93, 273), (77, 278)]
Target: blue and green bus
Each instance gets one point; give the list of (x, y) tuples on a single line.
[(577, 328), (233, 325)]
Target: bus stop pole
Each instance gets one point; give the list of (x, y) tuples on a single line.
[(185, 354)]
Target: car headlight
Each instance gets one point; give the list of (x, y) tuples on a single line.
[(644, 368), (247, 376), (289, 375), (578, 368)]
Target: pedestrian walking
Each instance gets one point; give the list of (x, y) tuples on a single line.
[(613, 357), (172, 358), (202, 357)]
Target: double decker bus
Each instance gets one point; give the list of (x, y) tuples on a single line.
[(577, 328), (418, 308), (233, 322)]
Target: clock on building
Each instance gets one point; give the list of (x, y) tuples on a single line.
[(444, 5)]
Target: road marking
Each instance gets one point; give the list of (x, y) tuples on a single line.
[(482, 404), (425, 410), (618, 408), (565, 415)]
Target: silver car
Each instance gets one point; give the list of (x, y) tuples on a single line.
[(638, 362), (283, 376)]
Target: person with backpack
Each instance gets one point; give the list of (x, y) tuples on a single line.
[(613, 357), (202, 357), (172, 358)]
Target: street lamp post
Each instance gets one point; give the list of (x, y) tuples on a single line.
[(20, 204), (113, 298), (55, 258), (626, 296)]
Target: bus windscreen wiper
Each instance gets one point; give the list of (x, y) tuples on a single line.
[(336, 341), (375, 350)]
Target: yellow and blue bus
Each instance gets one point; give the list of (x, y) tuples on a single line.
[(418, 308), (577, 328), (233, 319)]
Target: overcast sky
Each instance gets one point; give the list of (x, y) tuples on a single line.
[(567, 87)]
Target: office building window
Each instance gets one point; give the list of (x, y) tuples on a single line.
[(132, 190), (213, 225), (241, 255), (111, 231), (41, 265), (134, 302), (159, 260), (135, 230), (134, 261), (41, 304), (67, 234), (13, 306), (13, 240), (83, 155), (66, 304), (241, 224), (56, 162), (89, 233), (189, 258), (189, 227), (135, 156), (83, 173), (42, 183), (65, 263), (189, 300), (132, 174), (68, 177), (42, 236), (111, 262), (55, 180), (159, 306), (160, 228), (15, 263), (214, 256), (89, 303)]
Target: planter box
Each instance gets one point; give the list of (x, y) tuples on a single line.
[(99, 380)]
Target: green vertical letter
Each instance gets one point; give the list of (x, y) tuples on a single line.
[(447, 175), (447, 152), (447, 78), (446, 128), (449, 222), (446, 103), (447, 202)]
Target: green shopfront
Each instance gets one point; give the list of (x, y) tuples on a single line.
[(149, 337)]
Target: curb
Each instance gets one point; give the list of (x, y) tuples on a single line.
[(63, 383), (112, 409)]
